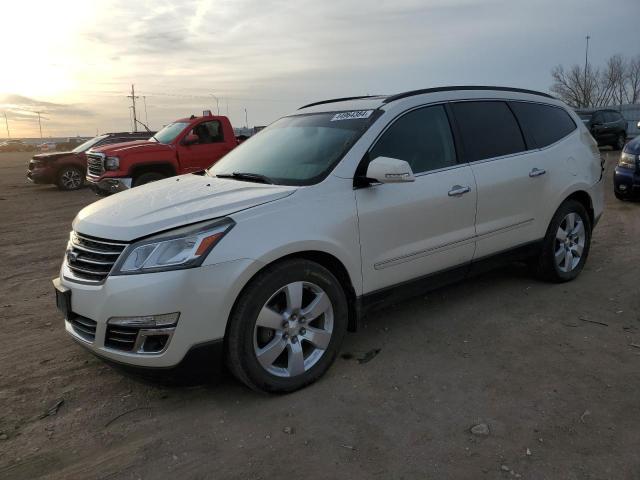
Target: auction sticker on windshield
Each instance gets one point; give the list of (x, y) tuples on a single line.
[(358, 114)]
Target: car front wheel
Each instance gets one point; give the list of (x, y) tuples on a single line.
[(566, 244), (70, 178), (287, 327)]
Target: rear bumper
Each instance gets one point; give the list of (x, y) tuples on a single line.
[(109, 185), (626, 182)]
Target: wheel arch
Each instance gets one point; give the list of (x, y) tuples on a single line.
[(585, 199), (166, 168), (328, 261)]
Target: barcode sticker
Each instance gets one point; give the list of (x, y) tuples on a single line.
[(355, 115)]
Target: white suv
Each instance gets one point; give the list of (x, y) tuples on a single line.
[(266, 260)]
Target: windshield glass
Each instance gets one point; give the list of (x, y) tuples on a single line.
[(297, 150), (169, 133), (88, 144)]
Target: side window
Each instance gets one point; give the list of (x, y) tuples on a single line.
[(208, 132), (488, 129), (421, 137), (542, 125)]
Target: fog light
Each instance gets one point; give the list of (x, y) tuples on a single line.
[(148, 321)]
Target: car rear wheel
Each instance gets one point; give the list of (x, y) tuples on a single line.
[(70, 178), (287, 327), (566, 244), (147, 178)]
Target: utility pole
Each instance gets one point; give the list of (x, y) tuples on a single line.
[(39, 124), (146, 118), (217, 103), (6, 121), (586, 63), (246, 119), (133, 107)]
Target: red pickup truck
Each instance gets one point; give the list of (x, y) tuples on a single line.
[(184, 146)]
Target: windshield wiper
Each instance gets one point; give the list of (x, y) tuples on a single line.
[(250, 177)]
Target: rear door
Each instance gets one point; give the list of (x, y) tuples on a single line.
[(211, 146), (409, 230), (509, 178)]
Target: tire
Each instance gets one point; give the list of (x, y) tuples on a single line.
[(619, 196), (70, 178), (620, 141), (552, 269), (265, 301), (147, 178)]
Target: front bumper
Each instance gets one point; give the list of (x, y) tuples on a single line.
[(203, 296), (109, 185), (626, 182), (40, 175)]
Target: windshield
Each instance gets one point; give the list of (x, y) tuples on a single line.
[(169, 133), (297, 150), (88, 144)]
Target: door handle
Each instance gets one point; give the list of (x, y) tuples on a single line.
[(536, 172), (458, 190)]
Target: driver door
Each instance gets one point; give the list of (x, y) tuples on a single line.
[(410, 230), (209, 148)]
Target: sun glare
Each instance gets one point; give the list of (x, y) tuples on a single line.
[(44, 44)]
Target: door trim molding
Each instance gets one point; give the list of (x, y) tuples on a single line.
[(392, 262)]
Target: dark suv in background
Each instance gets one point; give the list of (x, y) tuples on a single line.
[(626, 178), (67, 170), (607, 126)]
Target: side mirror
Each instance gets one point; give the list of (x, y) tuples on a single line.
[(389, 170), (190, 139)]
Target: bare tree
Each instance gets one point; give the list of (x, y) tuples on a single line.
[(633, 80), (614, 84)]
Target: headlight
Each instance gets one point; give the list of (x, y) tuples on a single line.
[(627, 160), (111, 163), (185, 247)]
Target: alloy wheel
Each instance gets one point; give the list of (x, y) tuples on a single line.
[(71, 179), (570, 240), (293, 329)]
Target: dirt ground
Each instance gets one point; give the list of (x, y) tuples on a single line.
[(559, 392)]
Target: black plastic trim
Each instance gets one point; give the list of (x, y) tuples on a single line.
[(419, 286), (343, 99), (412, 93)]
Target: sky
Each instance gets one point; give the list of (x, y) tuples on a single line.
[(75, 61)]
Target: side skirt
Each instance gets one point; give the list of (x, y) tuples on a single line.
[(412, 288)]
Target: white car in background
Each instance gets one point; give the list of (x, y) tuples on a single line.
[(270, 257), (47, 147)]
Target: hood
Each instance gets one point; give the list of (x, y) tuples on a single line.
[(633, 147), (127, 148), (171, 203), (52, 155)]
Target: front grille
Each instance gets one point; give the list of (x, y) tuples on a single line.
[(121, 338), (84, 327), (95, 164), (91, 259)]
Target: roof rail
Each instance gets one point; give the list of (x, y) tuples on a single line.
[(333, 100), (461, 87)]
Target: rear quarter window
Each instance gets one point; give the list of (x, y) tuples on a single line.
[(488, 129), (542, 125)]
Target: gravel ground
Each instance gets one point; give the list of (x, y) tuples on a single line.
[(559, 392)]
